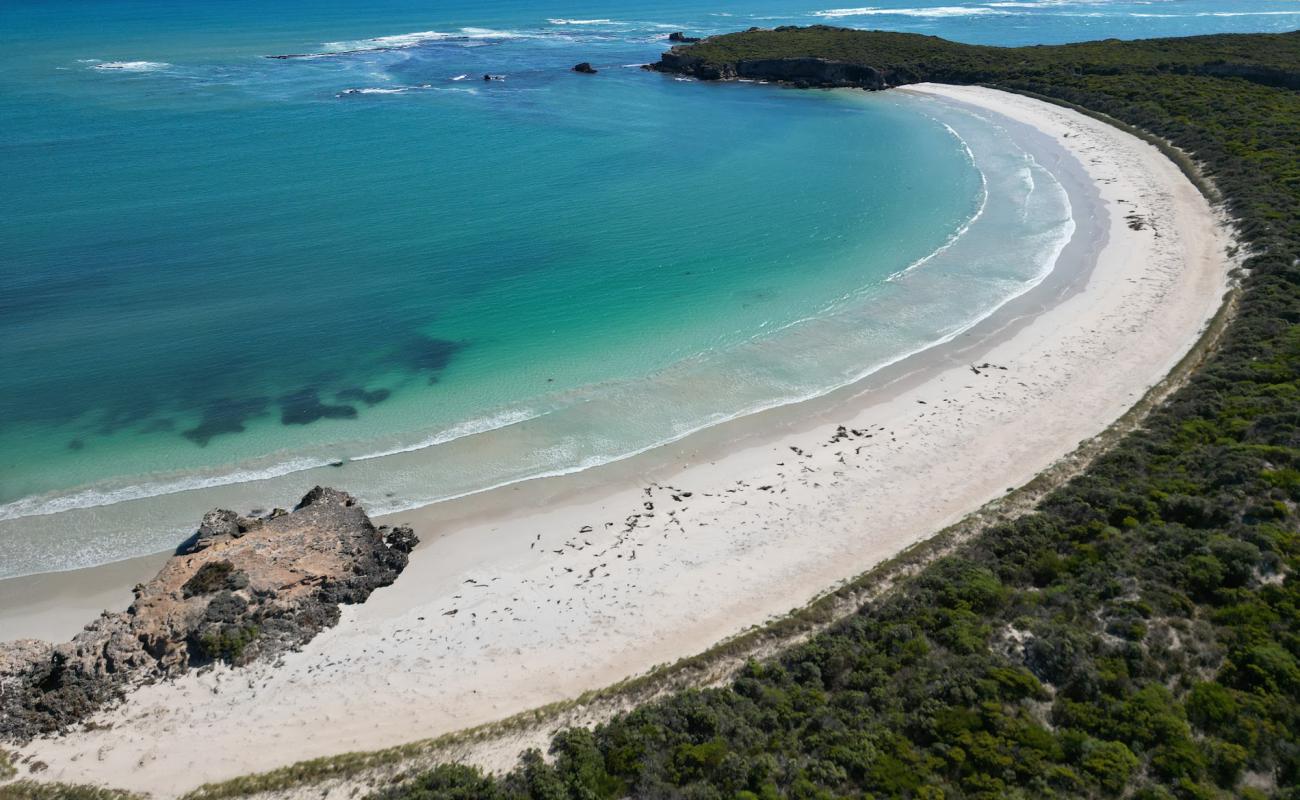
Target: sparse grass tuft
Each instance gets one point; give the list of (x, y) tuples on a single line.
[(31, 790)]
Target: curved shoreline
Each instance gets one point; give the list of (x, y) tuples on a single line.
[(966, 434), (55, 604), (82, 509), (42, 548)]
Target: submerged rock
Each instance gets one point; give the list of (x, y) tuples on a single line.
[(366, 396), (426, 354), (243, 589), (224, 416), (585, 68), (304, 407)]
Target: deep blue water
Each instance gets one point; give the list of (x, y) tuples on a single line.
[(220, 272)]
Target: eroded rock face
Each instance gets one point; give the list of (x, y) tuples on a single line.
[(805, 72), (813, 72), (243, 588)]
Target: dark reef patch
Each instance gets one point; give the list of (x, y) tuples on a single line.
[(159, 425), (313, 391), (427, 354), (359, 394), (304, 407), (224, 416), (115, 419)]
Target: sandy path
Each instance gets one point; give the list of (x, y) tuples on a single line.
[(555, 588)]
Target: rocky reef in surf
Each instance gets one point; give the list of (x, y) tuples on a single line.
[(241, 589)]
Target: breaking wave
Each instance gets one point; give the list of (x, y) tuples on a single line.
[(559, 21), (42, 505), (93, 497), (937, 11), (131, 66), (403, 40)]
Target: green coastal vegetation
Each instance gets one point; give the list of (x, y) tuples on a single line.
[(1138, 634), (32, 790)]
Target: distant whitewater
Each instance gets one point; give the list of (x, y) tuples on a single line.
[(132, 66)]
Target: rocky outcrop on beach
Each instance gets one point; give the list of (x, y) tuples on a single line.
[(241, 589)]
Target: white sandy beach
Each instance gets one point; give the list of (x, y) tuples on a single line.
[(538, 592)]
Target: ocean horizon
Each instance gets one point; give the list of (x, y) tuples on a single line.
[(411, 253)]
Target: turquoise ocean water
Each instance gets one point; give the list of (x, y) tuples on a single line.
[(220, 273)]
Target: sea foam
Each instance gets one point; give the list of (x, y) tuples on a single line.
[(937, 11), (401, 41), (965, 226), (93, 497), (132, 66), (472, 427), (42, 505)]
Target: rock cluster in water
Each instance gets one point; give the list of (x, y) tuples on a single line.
[(241, 589)]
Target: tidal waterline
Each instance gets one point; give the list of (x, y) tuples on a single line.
[(868, 310), (228, 272)]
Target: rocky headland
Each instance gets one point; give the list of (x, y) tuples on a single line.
[(241, 589), (826, 56), (801, 71), (805, 72)]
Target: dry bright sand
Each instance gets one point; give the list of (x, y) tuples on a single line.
[(534, 594)]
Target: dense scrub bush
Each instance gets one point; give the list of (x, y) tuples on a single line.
[(1137, 636), (214, 576)]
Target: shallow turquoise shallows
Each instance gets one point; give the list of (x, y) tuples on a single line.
[(222, 273)]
